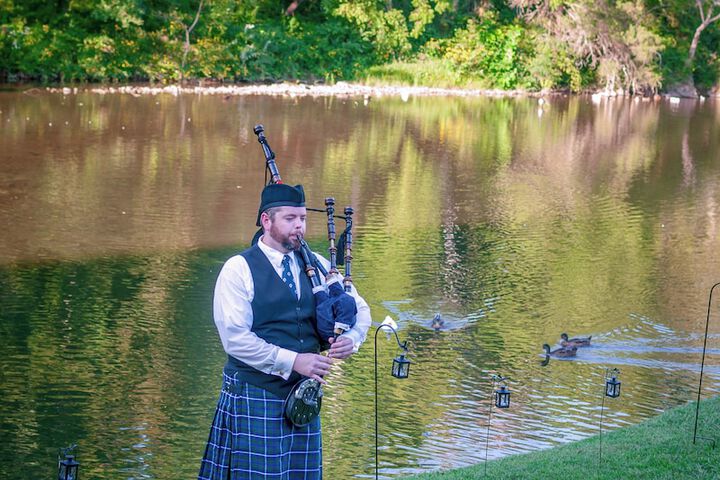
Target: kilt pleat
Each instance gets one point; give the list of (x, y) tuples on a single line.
[(250, 438)]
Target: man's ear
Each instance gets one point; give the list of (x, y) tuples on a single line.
[(264, 220)]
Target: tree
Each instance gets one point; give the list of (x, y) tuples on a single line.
[(615, 39), (706, 9), (706, 19), (186, 45), (390, 26)]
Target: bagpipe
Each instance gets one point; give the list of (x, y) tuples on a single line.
[(335, 308)]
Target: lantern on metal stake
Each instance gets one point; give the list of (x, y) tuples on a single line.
[(502, 400), (67, 467), (400, 369), (612, 390)]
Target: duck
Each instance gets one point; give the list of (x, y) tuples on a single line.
[(574, 342), (560, 352), (437, 322)]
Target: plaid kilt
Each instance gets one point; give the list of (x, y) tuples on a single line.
[(251, 438)]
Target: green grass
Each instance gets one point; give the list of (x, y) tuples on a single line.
[(428, 72), (659, 448)]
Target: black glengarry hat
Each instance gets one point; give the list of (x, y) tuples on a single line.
[(280, 195)]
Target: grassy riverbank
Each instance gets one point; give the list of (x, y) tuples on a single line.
[(659, 448)]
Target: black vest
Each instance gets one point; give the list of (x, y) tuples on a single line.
[(279, 318)]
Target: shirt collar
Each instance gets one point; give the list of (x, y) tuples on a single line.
[(275, 256)]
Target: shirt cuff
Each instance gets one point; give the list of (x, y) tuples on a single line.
[(284, 363)]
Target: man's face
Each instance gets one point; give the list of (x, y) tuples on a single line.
[(286, 227)]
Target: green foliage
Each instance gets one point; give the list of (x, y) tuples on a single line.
[(28, 49), (386, 29), (111, 40), (707, 65), (677, 22), (120, 13), (616, 40), (296, 50), (493, 54), (552, 65), (645, 46), (424, 13), (673, 65), (477, 43)]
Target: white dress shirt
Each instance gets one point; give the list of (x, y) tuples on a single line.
[(232, 311)]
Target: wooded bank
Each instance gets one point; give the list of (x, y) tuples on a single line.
[(637, 46)]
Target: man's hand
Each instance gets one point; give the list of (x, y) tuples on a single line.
[(340, 348), (312, 365)]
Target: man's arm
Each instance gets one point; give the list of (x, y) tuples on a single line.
[(232, 311)]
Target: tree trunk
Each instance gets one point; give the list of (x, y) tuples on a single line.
[(694, 44), (186, 46), (707, 19), (186, 49), (689, 86)]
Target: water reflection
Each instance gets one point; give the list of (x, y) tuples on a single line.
[(598, 219)]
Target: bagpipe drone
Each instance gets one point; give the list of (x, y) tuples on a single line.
[(336, 309)]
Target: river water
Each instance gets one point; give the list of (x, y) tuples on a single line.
[(516, 221)]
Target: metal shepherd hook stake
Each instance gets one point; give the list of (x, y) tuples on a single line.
[(401, 368), (702, 365), (496, 378)]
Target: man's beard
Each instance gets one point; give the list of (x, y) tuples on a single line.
[(285, 240)]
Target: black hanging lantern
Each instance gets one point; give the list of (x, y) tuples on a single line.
[(502, 397), (612, 387), (401, 366), (612, 384), (68, 468)]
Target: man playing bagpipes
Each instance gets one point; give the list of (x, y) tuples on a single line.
[(266, 308)]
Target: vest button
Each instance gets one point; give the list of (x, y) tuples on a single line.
[(297, 309), (302, 341)]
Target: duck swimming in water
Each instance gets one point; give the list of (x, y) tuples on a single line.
[(437, 322), (560, 352), (574, 342)]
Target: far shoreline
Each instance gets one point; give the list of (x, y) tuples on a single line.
[(298, 89), (339, 89)]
